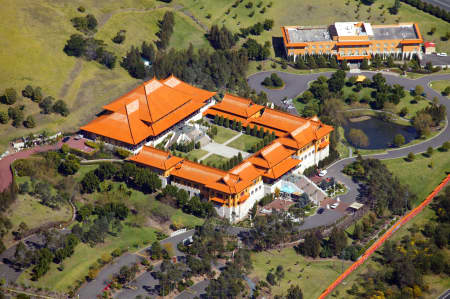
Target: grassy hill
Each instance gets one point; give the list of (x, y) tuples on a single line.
[(34, 34)]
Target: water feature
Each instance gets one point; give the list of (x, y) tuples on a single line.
[(381, 133)]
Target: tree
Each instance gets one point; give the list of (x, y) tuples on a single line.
[(268, 24), (29, 122), (418, 90), (75, 46), (357, 232), (337, 240), (364, 64), (4, 117), (394, 9), (358, 138), (69, 166), (430, 151), (337, 81), (271, 278), (399, 140), (61, 107), (411, 156), (148, 51), (37, 95), (46, 104), (10, 96), (294, 292), (28, 92), (307, 96), (120, 37), (16, 115), (445, 146), (422, 123)]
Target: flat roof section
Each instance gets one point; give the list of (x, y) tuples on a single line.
[(394, 32), (305, 34)]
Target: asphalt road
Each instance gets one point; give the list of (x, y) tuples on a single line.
[(297, 84), (445, 4), (144, 283)]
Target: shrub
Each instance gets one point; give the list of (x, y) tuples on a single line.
[(91, 144), (411, 157), (399, 140), (10, 96), (445, 146), (123, 153), (29, 122), (61, 107), (81, 9), (120, 37), (4, 117)]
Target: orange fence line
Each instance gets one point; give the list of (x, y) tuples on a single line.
[(380, 241)]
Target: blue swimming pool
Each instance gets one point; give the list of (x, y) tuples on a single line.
[(289, 188)]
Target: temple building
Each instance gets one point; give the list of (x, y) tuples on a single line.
[(353, 41), (145, 116), (149, 113)]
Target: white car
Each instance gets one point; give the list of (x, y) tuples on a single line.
[(322, 173), (335, 205), (441, 54)]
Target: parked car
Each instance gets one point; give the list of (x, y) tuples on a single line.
[(335, 205), (65, 139), (78, 137), (320, 210), (442, 54), (322, 173)]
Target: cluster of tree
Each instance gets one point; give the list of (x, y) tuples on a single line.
[(179, 198), (47, 104), (314, 61), (126, 274), (15, 113), (43, 191), (430, 8), (87, 24), (157, 252), (257, 28), (90, 49), (172, 276), (380, 190), (429, 117), (366, 227), (212, 131), (273, 81), (227, 123), (256, 51), (358, 138), (7, 197), (316, 245), (56, 248), (221, 39), (403, 264), (272, 277), (165, 30), (230, 283), (140, 178), (185, 147), (230, 163), (96, 221), (209, 70), (269, 231)]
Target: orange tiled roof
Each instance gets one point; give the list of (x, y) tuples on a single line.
[(156, 158), (238, 106), (246, 171), (213, 112), (281, 168), (197, 94), (271, 155), (148, 110)]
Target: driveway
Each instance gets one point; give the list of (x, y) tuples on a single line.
[(144, 283), (296, 84)]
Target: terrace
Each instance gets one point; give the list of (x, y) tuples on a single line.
[(308, 34), (394, 32)]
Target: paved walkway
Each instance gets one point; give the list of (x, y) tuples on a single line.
[(296, 84), (223, 149)]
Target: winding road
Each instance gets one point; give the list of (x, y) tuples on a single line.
[(297, 84)]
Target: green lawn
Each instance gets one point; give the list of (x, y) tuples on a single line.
[(223, 134), (215, 160), (418, 174), (34, 34), (77, 266), (244, 142), (197, 153), (313, 276), (439, 86)]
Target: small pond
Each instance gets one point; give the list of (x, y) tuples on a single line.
[(380, 133)]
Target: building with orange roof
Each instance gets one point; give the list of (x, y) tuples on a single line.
[(149, 113), (143, 116), (353, 41)]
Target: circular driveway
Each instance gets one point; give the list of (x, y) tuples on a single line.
[(297, 84)]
